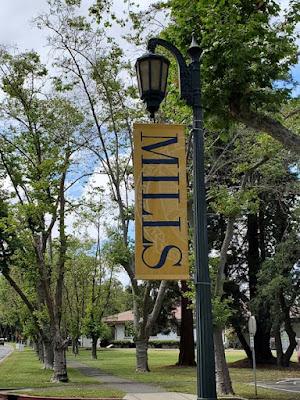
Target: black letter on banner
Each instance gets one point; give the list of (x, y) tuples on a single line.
[(154, 224), (164, 143), (163, 256)]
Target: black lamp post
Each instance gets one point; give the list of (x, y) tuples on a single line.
[(147, 67)]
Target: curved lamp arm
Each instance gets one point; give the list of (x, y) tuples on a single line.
[(184, 71)]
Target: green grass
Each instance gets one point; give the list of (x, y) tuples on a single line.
[(23, 370), (121, 362)]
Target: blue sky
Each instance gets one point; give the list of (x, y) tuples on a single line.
[(296, 75), (16, 29)]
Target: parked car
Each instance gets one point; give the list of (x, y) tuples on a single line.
[(2, 341)]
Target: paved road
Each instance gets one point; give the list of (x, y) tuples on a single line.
[(286, 385), (5, 350)]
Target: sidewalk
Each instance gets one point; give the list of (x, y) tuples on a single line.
[(133, 390), (115, 382), (5, 351)]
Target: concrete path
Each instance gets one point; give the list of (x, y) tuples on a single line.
[(115, 382), (285, 385), (160, 396), (134, 390), (5, 351)]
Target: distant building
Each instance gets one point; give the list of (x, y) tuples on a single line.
[(122, 325)]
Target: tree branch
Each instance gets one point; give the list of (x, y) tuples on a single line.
[(157, 306), (260, 122)]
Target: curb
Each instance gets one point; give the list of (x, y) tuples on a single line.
[(13, 396), (231, 398)]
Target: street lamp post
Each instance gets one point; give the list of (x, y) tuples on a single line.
[(147, 67)]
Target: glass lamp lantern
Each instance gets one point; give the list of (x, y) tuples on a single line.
[(152, 73)]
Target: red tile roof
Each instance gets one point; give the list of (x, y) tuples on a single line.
[(127, 316), (119, 318)]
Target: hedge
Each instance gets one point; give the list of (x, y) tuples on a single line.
[(157, 344)]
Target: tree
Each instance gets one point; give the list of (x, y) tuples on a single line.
[(279, 288), (264, 229), (13, 313), (246, 50), (187, 345), (76, 288), (110, 110), (36, 152)]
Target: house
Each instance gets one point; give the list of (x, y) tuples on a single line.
[(122, 325)]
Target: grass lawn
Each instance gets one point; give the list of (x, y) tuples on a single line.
[(23, 370), (183, 379)]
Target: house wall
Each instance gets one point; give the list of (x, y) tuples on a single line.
[(296, 327), (86, 342), (285, 339), (120, 332), (160, 336)]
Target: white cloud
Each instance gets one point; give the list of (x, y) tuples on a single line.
[(18, 30)]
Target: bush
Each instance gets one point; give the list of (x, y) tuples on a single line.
[(164, 344), (156, 344), (129, 344)]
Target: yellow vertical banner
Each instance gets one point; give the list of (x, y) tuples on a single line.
[(161, 229)]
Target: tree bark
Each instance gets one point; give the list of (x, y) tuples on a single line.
[(278, 345), (263, 352), (59, 365), (243, 341), (289, 330), (55, 305), (48, 354), (75, 348), (94, 347), (143, 321), (262, 338), (142, 355), (223, 380), (39, 348), (187, 343)]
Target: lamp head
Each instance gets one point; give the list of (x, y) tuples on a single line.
[(152, 73)]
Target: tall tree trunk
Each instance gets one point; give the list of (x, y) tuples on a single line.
[(142, 355), (143, 321), (94, 347), (48, 354), (75, 348), (59, 365), (222, 372), (253, 253), (55, 306), (39, 348), (223, 380), (263, 351), (187, 343), (262, 338), (289, 330), (278, 345), (243, 341)]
